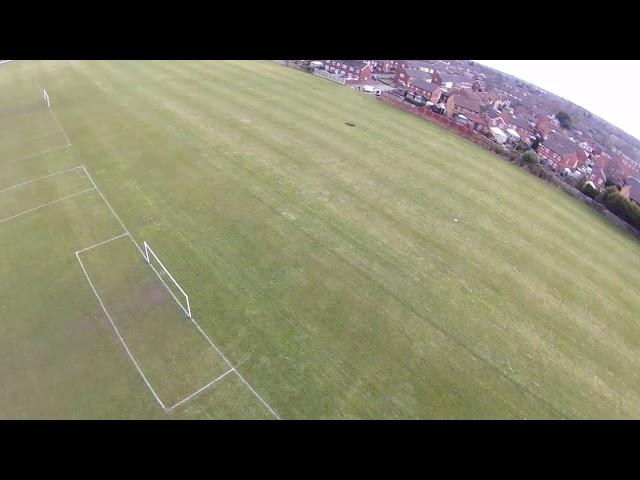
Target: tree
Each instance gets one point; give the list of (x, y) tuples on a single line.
[(612, 182), (565, 119), (582, 182), (536, 142), (531, 157), (589, 190)]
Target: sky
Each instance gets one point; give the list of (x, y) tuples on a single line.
[(607, 88)]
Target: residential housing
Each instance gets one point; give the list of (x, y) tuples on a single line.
[(460, 104), (560, 153), (356, 70)]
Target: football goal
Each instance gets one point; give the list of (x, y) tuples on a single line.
[(46, 97), (162, 272)]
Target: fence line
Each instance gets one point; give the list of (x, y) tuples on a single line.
[(484, 142), (329, 76)]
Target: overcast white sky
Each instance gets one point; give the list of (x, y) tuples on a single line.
[(607, 88)]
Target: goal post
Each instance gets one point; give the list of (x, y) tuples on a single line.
[(153, 261), (46, 97)]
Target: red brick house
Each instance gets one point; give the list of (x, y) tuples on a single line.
[(523, 127), (449, 81), (426, 67), (559, 153), (495, 120), (356, 70), (601, 160), (462, 105), (582, 157), (544, 126), (479, 123), (634, 189), (622, 166), (598, 177), (380, 66), (428, 90), (405, 77)]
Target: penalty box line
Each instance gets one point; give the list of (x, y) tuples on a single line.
[(40, 178), (200, 390), (215, 347), (34, 155), (124, 344), (45, 205)]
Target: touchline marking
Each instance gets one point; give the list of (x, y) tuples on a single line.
[(46, 204), (40, 178), (60, 127), (33, 155), (120, 336), (102, 243), (201, 389)]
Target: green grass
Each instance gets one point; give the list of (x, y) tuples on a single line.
[(323, 259)]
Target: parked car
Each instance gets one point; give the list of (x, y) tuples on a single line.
[(461, 119)]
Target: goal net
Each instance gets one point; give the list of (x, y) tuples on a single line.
[(174, 288)]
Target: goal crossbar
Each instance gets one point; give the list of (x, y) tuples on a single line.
[(148, 253)]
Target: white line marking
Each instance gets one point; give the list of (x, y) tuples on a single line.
[(46, 205), (59, 126), (215, 347), (39, 178), (112, 210), (102, 243), (33, 155), (55, 119), (237, 373), (27, 140), (257, 396), (169, 290), (120, 336), (192, 319), (201, 389)]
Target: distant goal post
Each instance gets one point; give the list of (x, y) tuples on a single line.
[(46, 97), (153, 260)]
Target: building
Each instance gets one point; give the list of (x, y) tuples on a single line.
[(479, 123), (583, 157), (622, 166), (598, 177), (559, 153), (448, 81), (459, 104), (356, 70), (428, 90), (634, 189), (426, 67), (525, 130), (404, 77), (495, 120)]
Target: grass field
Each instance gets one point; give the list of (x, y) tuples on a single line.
[(323, 260)]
